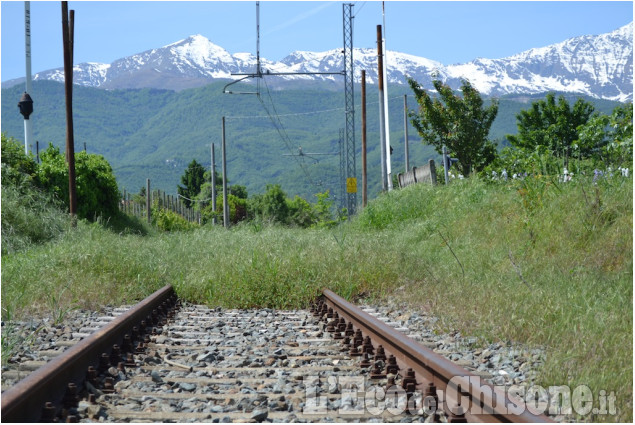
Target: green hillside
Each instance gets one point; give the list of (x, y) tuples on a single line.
[(154, 134)]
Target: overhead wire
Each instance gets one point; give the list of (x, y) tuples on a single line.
[(277, 123), (238, 117)]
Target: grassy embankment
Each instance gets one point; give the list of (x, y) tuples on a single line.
[(536, 263)]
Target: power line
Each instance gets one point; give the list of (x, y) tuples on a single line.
[(321, 111), (282, 132)]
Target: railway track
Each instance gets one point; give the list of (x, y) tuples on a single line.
[(164, 360)]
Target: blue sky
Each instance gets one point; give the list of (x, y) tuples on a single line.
[(448, 31)]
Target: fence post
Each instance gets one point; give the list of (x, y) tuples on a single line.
[(148, 200)]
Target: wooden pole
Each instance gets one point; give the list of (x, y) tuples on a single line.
[(405, 130), (68, 88), (225, 205), (382, 118), (148, 200), (213, 185)]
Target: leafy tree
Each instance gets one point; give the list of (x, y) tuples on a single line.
[(609, 138), (97, 190), (238, 191), (237, 209), (192, 179), (554, 125), (301, 212), (272, 205), (462, 124), (323, 209)]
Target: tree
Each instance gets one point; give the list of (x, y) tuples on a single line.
[(460, 123), (554, 125), (609, 138), (271, 205), (192, 179)]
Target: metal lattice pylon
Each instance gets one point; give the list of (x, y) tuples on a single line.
[(351, 171), (343, 199)]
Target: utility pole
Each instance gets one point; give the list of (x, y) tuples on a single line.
[(213, 185), (364, 178), (343, 193), (382, 132), (385, 100), (28, 108), (224, 156), (68, 86), (405, 131), (349, 101)]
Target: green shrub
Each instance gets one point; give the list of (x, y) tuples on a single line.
[(97, 191), (18, 168), (29, 215), (169, 221)]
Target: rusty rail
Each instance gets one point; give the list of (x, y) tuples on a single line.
[(39, 395), (460, 393)]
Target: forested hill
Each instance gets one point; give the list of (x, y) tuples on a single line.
[(150, 133)]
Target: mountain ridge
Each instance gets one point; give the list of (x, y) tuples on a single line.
[(600, 66)]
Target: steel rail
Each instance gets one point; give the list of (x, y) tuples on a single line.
[(24, 401), (479, 400)]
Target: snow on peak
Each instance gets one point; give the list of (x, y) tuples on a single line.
[(598, 65)]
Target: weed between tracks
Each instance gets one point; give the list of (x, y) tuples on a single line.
[(488, 259)]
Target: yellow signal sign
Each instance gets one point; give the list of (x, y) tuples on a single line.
[(351, 185)]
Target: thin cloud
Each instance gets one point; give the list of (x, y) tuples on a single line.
[(299, 18)]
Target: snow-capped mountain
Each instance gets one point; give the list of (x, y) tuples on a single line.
[(597, 65)]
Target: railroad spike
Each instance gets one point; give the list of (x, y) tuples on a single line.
[(458, 417), (130, 360), (126, 344), (115, 354), (431, 402), (409, 378), (104, 363), (329, 313), (380, 354), (71, 399), (410, 390), (109, 386), (91, 376), (365, 363), (391, 366), (353, 351), (48, 412), (377, 373), (367, 347), (346, 342), (390, 383)]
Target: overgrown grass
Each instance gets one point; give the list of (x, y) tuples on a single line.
[(29, 217), (536, 262), (540, 263)]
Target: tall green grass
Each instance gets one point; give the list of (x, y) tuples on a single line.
[(537, 262), (29, 217)]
